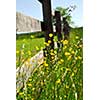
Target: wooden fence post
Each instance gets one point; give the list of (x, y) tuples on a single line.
[(47, 17), (58, 27), (66, 29)]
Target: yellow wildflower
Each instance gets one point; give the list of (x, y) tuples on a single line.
[(49, 41), (65, 42), (30, 85), (30, 79), (17, 52), (41, 48), (29, 52), (67, 86), (32, 36), (65, 96), (55, 52), (22, 52), (72, 74), (47, 44), (70, 49), (62, 60), (50, 35), (33, 99), (51, 50), (67, 69), (52, 53), (58, 81), (64, 47), (59, 62), (62, 40), (73, 52), (33, 89), (42, 83), (76, 58), (37, 48), (69, 57), (76, 37), (28, 59), (45, 64), (67, 53), (80, 46), (52, 57), (21, 93), (79, 57)]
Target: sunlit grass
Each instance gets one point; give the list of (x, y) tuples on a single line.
[(61, 76)]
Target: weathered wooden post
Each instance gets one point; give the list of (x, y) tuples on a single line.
[(66, 29), (58, 27), (47, 17)]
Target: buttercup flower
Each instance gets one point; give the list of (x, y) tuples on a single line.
[(49, 41), (69, 57), (67, 53), (30, 85), (58, 81), (50, 35), (65, 42), (17, 52)]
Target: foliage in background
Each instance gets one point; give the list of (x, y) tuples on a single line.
[(66, 13)]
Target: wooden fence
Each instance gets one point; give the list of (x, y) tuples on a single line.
[(48, 28)]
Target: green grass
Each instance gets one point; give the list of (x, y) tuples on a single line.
[(61, 78), (26, 48)]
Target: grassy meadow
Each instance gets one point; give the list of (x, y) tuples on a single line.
[(58, 78)]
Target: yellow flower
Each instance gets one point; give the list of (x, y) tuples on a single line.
[(76, 58), (70, 49), (21, 93), (62, 40), (67, 69), (37, 48), (32, 36), (67, 86), (65, 42), (33, 99), (79, 57), (49, 41), (80, 46), (67, 53), (72, 74), (45, 64), (69, 57), (42, 83), (65, 96), (33, 89), (52, 54), (30, 79), (59, 62), (64, 47), (55, 52), (50, 35), (29, 52), (62, 60), (76, 37), (73, 52), (58, 81), (30, 85), (52, 57), (41, 48), (28, 60), (51, 50), (22, 52), (17, 52)]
